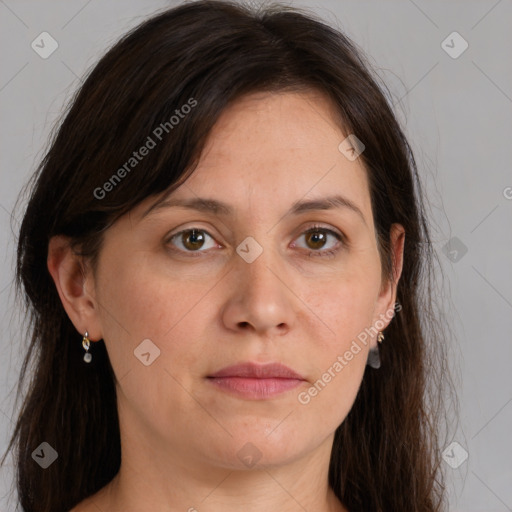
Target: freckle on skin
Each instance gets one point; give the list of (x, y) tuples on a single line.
[(194, 309)]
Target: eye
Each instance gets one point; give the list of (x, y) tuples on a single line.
[(191, 240), (316, 238)]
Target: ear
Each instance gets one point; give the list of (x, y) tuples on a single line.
[(385, 304), (72, 280)]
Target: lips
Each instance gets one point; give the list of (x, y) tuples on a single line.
[(251, 381), (258, 371)]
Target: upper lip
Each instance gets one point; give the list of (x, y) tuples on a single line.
[(258, 371)]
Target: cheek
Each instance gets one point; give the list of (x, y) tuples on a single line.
[(341, 352), (137, 304), (140, 298), (345, 307), (326, 403), (340, 355)]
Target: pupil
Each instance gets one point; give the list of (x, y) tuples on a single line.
[(194, 237), (317, 236)]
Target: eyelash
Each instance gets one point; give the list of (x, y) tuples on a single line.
[(328, 253)]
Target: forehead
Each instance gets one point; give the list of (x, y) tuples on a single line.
[(273, 149), (283, 122)]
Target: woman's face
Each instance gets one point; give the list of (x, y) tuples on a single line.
[(250, 285)]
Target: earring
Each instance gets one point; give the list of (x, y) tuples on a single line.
[(373, 358), (86, 342), (374, 355)]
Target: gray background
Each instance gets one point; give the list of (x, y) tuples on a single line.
[(457, 115)]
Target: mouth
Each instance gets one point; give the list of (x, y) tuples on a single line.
[(256, 381)]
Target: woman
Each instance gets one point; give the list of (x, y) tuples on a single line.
[(223, 256)]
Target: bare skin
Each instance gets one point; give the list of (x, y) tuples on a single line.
[(181, 435)]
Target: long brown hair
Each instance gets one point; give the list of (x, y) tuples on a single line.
[(386, 454)]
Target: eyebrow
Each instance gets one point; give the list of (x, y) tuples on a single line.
[(215, 207)]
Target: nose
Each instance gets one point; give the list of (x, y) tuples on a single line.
[(259, 299)]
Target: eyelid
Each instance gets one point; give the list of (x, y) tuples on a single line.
[(340, 236), (193, 227), (303, 230), (318, 226)]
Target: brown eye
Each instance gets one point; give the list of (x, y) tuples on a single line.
[(317, 238), (190, 240)]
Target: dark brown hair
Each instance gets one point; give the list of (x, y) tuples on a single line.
[(386, 454)]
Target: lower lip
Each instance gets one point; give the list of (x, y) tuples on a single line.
[(254, 388)]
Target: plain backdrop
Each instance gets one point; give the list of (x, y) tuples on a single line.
[(456, 111)]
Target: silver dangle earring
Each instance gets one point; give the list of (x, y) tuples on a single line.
[(86, 343), (374, 355)]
